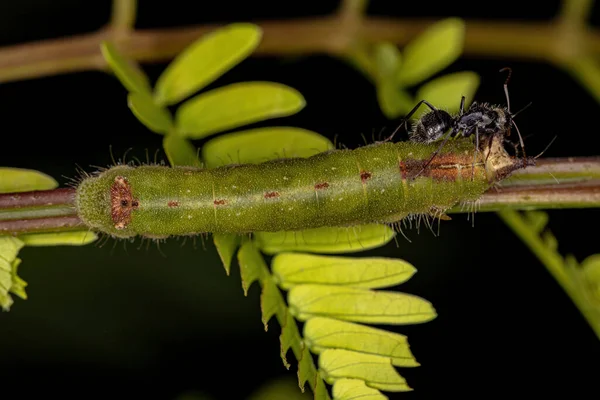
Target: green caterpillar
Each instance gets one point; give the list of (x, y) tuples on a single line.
[(374, 183)]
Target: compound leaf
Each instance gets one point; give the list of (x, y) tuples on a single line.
[(430, 52), (326, 239), (271, 302), (14, 180), (154, 117), (235, 105), (376, 371), (358, 305), (290, 269), (205, 60), (9, 281), (127, 71), (263, 144), (326, 333)]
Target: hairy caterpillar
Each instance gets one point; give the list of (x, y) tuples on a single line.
[(374, 183)]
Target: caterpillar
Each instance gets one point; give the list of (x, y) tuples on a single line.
[(376, 183)]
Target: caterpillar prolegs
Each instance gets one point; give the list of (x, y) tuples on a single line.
[(375, 183)]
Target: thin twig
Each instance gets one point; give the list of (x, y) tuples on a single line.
[(517, 40)]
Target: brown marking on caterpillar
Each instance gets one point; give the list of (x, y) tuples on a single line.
[(173, 204), (122, 202), (219, 202), (322, 185), (445, 167), (271, 195), (365, 176)]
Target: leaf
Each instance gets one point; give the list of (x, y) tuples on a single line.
[(9, 281), (377, 371), (288, 338), (290, 269), (74, 238), (387, 59), (226, 245), (433, 50), (181, 152), (235, 105), (326, 240), (205, 60), (271, 302), (393, 101), (358, 305), (306, 370), (445, 92), (13, 180), (127, 71), (321, 392), (537, 220), (154, 117), (251, 263), (326, 333), (263, 144), (355, 389)]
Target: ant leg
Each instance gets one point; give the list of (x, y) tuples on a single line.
[(462, 106), (475, 152), (450, 134), (407, 117)]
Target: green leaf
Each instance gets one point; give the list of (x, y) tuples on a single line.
[(326, 333), (291, 269), (155, 117), (445, 92), (9, 281), (127, 71), (393, 101), (271, 302), (251, 263), (289, 338), (321, 392), (355, 389), (74, 238), (387, 59), (358, 305), (263, 144), (226, 245), (235, 105), (433, 50), (306, 370), (205, 60), (181, 152), (326, 240), (377, 371), (13, 180)]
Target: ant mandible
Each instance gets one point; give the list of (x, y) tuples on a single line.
[(481, 120)]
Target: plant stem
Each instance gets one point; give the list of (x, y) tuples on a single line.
[(334, 35), (553, 183)]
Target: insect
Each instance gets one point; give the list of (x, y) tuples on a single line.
[(336, 188), (481, 120)]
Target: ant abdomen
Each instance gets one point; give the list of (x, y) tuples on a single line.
[(431, 126)]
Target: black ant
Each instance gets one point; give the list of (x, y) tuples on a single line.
[(481, 120)]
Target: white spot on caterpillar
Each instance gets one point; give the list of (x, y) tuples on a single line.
[(382, 190), (188, 191), (285, 178), (333, 168), (189, 217), (341, 198), (234, 187)]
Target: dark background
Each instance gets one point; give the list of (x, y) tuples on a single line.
[(113, 322)]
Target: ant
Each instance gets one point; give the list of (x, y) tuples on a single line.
[(481, 120)]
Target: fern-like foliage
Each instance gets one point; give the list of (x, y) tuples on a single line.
[(333, 296)]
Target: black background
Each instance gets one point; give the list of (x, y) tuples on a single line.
[(114, 322)]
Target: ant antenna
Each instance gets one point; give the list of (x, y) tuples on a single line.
[(522, 109), (506, 86), (548, 146), (508, 107)]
